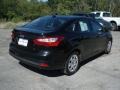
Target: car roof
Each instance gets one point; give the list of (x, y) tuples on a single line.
[(69, 16)]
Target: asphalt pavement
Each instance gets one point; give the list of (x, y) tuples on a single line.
[(99, 73)]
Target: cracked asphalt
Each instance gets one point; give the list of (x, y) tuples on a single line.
[(99, 73)]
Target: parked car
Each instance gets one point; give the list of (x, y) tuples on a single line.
[(101, 21), (59, 42), (115, 21)]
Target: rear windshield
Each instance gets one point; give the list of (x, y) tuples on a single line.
[(46, 23)]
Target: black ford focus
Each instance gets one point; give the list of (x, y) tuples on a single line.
[(59, 42)]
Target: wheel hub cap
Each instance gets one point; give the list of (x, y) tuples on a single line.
[(73, 63)]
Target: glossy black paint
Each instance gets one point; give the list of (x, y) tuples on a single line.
[(88, 43)]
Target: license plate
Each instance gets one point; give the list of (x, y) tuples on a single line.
[(23, 42)]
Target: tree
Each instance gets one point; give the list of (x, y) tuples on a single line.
[(30, 9)]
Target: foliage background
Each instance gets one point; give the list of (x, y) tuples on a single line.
[(22, 10)]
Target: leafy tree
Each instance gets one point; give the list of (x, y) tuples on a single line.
[(30, 9)]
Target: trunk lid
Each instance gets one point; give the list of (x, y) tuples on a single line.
[(23, 38)]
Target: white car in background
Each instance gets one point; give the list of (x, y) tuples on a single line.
[(115, 21)]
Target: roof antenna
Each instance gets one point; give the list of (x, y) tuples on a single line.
[(54, 15)]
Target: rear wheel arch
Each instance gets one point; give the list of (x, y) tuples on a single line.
[(77, 50), (114, 25), (110, 39), (113, 22)]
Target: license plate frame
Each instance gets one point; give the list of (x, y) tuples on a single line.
[(23, 42)]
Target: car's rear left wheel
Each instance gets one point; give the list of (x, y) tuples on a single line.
[(72, 64)]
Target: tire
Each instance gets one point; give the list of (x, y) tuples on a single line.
[(72, 64), (108, 47), (114, 26)]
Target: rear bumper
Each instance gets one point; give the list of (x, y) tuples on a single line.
[(55, 60)]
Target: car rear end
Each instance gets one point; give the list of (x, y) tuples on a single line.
[(38, 47)]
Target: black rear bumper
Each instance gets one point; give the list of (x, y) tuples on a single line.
[(55, 60)]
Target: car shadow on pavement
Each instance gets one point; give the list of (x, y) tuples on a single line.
[(49, 73), (91, 59), (57, 73)]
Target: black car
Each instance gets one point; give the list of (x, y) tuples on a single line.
[(59, 42)]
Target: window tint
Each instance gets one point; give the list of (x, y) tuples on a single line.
[(96, 27), (106, 14), (74, 27), (46, 23), (84, 27)]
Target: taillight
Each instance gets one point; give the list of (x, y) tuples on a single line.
[(43, 65), (48, 41)]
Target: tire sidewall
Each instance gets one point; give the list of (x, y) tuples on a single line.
[(66, 70), (106, 50)]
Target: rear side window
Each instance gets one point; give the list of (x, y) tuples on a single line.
[(46, 23), (84, 27), (73, 27)]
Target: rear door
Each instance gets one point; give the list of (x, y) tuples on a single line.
[(88, 38)]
